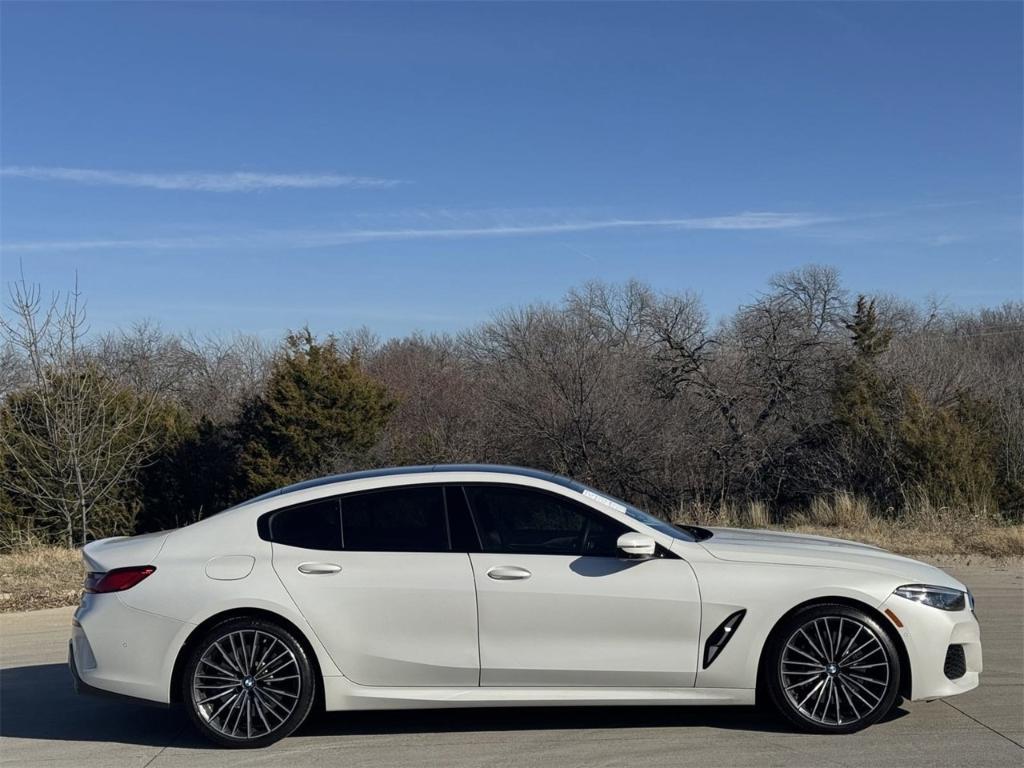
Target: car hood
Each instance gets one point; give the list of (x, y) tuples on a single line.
[(749, 546)]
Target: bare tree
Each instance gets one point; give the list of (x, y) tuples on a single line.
[(71, 437), (13, 371), (207, 376), (615, 314), (759, 381), (557, 395), (437, 417)]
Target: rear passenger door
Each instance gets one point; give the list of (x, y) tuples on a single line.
[(558, 606), (375, 575)]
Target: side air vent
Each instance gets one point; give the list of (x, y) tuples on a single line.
[(956, 663), (718, 639)]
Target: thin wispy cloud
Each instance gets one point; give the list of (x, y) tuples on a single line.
[(748, 221), (197, 181)]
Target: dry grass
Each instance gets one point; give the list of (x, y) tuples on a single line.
[(843, 510), (40, 577)]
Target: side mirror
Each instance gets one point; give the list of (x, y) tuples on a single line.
[(635, 544)]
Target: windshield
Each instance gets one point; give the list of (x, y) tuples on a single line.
[(683, 533)]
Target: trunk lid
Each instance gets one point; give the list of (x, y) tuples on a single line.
[(123, 551)]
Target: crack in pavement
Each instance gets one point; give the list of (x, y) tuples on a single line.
[(165, 747), (983, 725)]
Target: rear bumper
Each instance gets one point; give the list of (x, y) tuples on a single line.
[(83, 688), (928, 634), (115, 649)]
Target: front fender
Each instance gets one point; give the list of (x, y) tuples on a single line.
[(768, 592)]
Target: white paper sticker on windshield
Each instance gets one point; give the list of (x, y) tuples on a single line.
[(604, 500)]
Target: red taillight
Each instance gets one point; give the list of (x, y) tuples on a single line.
[(118, 579)]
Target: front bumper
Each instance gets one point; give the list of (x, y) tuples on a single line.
[(927, 634)]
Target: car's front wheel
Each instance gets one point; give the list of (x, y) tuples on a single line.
[(248, 682), (832, 669)]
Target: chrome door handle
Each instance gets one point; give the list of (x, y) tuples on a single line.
[(508, 573), (316, 568)]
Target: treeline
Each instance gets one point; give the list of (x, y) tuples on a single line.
[(806, 392)]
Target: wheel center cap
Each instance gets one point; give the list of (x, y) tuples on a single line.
[(248, 682), (832, 669)]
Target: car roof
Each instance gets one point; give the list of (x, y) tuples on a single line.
[(425, 469)]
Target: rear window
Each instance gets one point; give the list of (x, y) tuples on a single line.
[(395, 520), (316, 525)]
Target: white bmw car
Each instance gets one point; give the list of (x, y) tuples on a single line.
[(469, 586)]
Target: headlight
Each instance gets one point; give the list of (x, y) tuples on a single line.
[(943, 598)]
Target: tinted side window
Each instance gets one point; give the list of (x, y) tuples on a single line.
[(602, 537), (395, 520), (522, 520), (312, 526)]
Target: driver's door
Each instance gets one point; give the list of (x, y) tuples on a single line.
[(559, 607)]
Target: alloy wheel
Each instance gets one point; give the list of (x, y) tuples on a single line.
[(246, 684), (835, 671)]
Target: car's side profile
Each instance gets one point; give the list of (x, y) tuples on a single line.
[(458, 586)]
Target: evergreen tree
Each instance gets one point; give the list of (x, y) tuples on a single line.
[(897, 446), (949, 454), (194, 474), (862, 396), (318, 413), (869, 340)]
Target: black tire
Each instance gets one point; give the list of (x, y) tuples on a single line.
[(832, 668), (247, 683)]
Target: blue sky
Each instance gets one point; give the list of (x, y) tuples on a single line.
[(256, 167)]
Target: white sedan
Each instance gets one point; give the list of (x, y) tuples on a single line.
[(469, 586)]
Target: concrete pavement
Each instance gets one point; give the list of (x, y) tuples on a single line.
[(42, 722)]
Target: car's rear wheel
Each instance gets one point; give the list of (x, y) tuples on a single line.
[(832, 669), (248, 682)]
